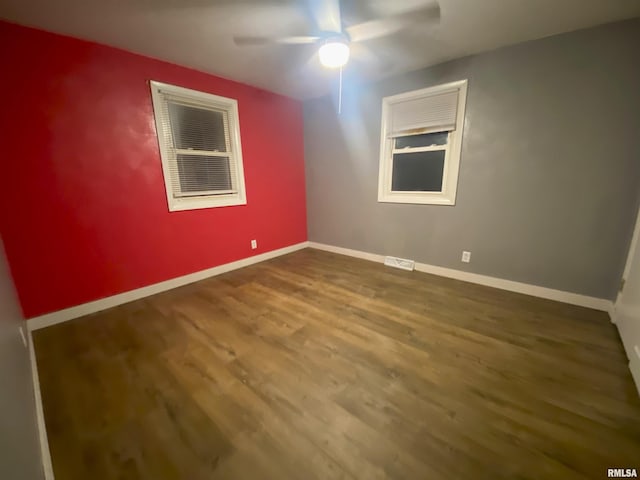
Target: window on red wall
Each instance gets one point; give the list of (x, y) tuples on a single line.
[(199, 138)]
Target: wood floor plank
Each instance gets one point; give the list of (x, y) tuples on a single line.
[(320, 366)]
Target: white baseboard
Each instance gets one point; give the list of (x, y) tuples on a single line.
[(47, 466), (373, 257), (518, 287), (626, 321), (60, 316)]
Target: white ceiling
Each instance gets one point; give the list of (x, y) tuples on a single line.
[(198, 33)]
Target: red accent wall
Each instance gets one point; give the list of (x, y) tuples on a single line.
[(84, 211)]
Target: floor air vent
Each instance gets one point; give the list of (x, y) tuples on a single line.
[(402, 263)]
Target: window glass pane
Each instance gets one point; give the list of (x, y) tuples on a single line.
[(197, 129), (422, 140), (198, 173), (418, 171)]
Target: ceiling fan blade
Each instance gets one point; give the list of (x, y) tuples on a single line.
[(327, 15), (369, 61), (245, 41), (389, 25)]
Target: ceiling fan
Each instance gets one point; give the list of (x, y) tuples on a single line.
[(334, 37)]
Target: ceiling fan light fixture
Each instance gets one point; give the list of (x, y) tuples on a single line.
[(334, 53)]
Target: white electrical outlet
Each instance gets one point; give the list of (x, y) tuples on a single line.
[(24, 338), (466, 257), (254, 244)]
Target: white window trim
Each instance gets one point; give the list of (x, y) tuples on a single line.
[(206, 99), (452, 155)]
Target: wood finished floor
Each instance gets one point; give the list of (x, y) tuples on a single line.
[(320, 366)]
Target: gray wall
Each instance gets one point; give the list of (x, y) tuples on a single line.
[(19, 447), (550, 169)]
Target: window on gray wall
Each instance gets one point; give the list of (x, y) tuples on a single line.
[(199, 138), (421, 137)]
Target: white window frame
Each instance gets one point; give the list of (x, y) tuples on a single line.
[(452, 150), (168, 154)]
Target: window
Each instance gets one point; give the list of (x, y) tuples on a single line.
[(420, 144), (199, 137)]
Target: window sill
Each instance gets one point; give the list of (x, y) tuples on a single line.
[(182, 204), (417, 198)]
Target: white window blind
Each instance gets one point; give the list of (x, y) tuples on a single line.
[(200, 147), (201, 160), (424, 114)]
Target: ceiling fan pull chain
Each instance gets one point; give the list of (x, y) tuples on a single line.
[(340, 94)]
